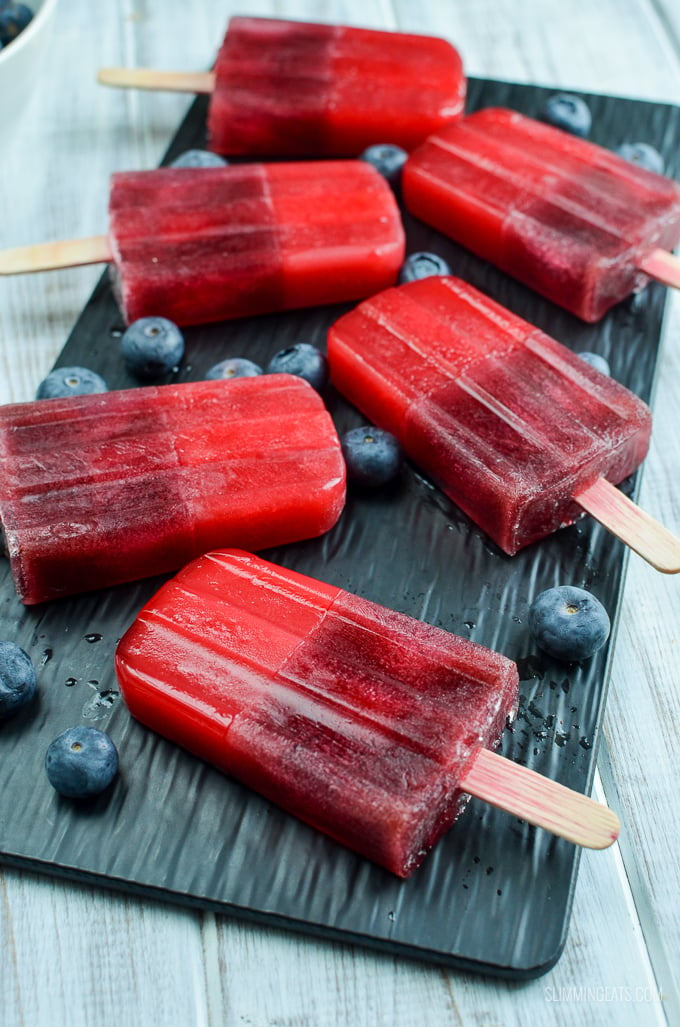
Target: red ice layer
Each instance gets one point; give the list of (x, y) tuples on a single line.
[(561, 214), (286, 88), (359, 720), (207, 244), (511, 424), (98, 490)]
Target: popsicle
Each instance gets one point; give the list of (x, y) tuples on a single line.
[(101, 489), (514, 427), (579, 224), (291, 88), (208, 244), (365, 723)]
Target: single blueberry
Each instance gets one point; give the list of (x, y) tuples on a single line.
[(70, 381), (568, 112), (234, 367), (422, 265), (13, 19), (372, 456), (642, 154), (81, 762), (152, 346), (387, 159), (198, 159), (596, 360), (568, 623), (18, 683), (303, 360)]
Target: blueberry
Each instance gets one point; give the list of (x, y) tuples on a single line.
[(596, 360), (568, 112), (152, 346), (303, 360), (234, 367), (198, 159), (642, 154), (17, 679), (13, 19), (422, 265), (387, 159), (568, 623), (70, 381), (372, 456), (81, 762)]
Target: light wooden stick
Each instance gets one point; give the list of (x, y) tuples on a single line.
[(47, 256), (662, 267), (166, 81), (620, 515), (541, 801)]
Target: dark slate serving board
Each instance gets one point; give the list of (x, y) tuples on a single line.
[(496, 894)]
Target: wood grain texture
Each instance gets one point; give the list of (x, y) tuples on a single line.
[(78, 956)]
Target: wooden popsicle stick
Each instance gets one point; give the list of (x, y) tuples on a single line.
[(663, 267), (620, 515), (47, 256), (150, 78), (541, 801)]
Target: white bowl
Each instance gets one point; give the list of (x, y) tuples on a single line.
[(20, 64)]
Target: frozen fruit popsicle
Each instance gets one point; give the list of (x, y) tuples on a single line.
[(365, 723), (208, 244), (290, 88), (579, 224), (101, 489), (519, 431)]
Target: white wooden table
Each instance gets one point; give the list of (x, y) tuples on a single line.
[(73, 955)]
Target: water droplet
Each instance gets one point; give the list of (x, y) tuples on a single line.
[(585, 743), (391, 916), (47, 655), (476, 859), (93, 636), (99, 705), (489, 870), (70, 682), (561, 738), (470, 625), (499, 891)]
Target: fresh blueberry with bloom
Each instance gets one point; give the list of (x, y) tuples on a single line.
[(18, 683), (387, 159), (642, 154), (151, 347), (234, 367), (422, 265), (304, 360), (568, 112), (568, 623), (372, 456), (198, 159), (81, 762), (13, 20), (596, 360), (70, 381)]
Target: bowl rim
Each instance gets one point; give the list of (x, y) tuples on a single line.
[(32, 29)]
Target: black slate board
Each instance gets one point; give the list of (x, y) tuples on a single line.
[(496, 894)]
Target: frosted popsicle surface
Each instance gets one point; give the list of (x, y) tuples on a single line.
[(286, 88), (103, 489), (209, 244), (508, 422), (359, 720), (566, 217)]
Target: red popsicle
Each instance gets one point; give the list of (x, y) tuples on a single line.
[(102, 489), (292, 88), (577, 223), (365, 723), (208, 244), (519, 431)]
